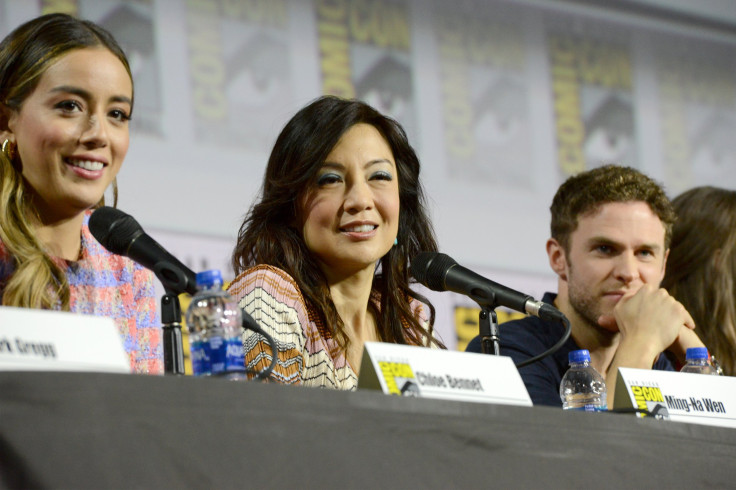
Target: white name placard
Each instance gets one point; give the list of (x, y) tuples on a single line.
[(435, 373), (33, 340), (682, 397)]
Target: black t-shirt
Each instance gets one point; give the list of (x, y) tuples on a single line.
[(530, 336)]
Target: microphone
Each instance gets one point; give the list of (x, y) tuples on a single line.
[(121, 234), (439, 272)]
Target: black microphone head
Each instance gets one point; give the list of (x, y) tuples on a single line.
[(430, 269), (114, 229)]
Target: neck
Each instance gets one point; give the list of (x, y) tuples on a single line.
[(601, 343), (61, 238), (351, 294)]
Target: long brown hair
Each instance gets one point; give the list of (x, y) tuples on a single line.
[(701, 268), (25, 55), (268, 234)]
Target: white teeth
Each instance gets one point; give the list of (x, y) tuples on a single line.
[(359, 229), (86, 164)]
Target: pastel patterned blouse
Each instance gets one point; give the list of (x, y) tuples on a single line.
[(307, 353), (105, 284)]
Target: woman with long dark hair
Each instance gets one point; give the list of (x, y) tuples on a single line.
[(66, 98), (323, 257), (701, 267)]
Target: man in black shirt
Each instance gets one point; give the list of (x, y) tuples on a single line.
[(611, 228)]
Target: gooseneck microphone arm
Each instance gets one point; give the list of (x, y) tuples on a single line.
[(172, 338), (488, 330), (439, 272)]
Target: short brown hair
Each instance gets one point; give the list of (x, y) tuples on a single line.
[(586, 192)]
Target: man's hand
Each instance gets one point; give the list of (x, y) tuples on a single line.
[(650, 321), (649, 317)]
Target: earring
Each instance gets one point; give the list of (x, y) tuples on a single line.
[(9, 149), (396, 241)]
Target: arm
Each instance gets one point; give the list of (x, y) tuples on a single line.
[(649, 321), (274, 301)]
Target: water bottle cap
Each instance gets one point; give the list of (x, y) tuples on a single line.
[(209, 278), (696, 353), (581, 355)]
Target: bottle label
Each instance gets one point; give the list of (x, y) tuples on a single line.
[(218, 354), (235, 358), (199, 352)]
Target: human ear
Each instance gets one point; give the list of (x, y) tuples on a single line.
[(6, 114), (557, 258)]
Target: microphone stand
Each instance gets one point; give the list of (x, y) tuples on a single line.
[(171, 324), (488, 329)]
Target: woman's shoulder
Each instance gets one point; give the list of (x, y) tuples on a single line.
[(276, 282)]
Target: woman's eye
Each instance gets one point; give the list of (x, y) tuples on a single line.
[(119, 115), (326, 179), (69, 106), (382, 176)]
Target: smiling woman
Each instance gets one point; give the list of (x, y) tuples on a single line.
[(323, 257), (66, 96)]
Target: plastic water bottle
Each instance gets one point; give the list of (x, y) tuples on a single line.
[(214, 323), (582, 387), (698, 361)]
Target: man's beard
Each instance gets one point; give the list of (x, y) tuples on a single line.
[(583, 301), (584, 304)]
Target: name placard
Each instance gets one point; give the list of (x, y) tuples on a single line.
[(435, 373), (42, 340), (682, 397)]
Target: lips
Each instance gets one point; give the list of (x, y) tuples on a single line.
[(615, 295), (91, 165), (358, 228), (86, 168)]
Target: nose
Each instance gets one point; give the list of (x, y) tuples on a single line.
[(358, 197), (94, 135), (626, 268)]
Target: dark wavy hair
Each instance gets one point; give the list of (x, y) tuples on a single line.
[(701, 267), (269, 235), (586, 192)]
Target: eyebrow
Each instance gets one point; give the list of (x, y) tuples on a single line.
[(340, 166), (87, 95), (601, 240)]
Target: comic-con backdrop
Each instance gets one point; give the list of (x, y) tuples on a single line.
[(502, 100)]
